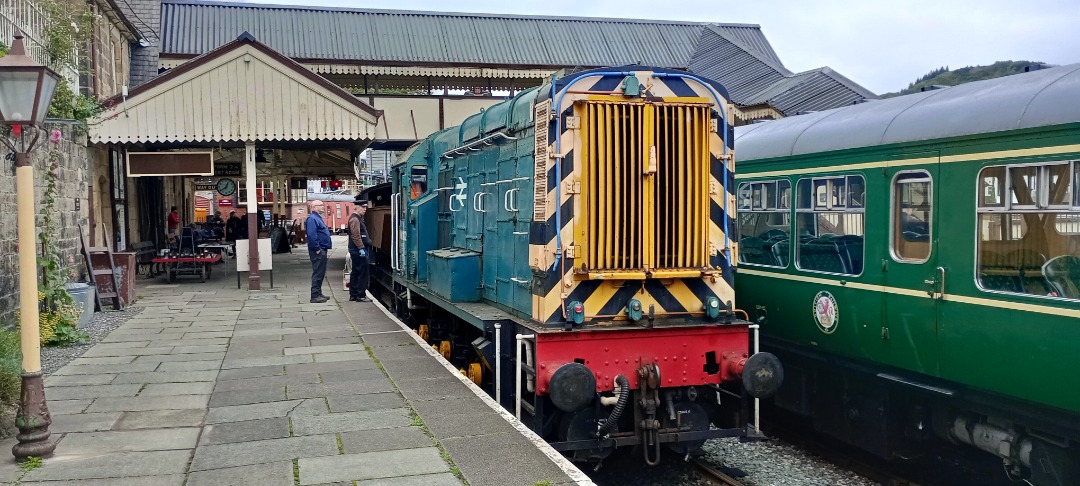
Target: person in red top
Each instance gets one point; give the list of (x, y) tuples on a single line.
[(174, 222)]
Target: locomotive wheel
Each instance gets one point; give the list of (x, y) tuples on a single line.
[(476, 374), (423, 332), (693, 418), (445, 349), (582, 426)]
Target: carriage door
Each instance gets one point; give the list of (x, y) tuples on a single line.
[(913, 276)]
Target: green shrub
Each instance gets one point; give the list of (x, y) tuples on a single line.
[(10, 367)]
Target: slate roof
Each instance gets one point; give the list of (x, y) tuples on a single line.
[(737, 55)]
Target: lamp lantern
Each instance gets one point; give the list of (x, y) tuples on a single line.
[(26, 89)]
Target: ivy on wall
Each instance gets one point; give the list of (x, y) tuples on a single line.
[(68, 30)]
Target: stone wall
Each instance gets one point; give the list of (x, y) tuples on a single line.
[(73, 174)]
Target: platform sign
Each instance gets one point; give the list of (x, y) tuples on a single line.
[(228, 169), (170, 163)]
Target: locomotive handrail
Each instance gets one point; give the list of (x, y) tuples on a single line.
[(488, 140), (478, 202), (511, 195), (394, 231)]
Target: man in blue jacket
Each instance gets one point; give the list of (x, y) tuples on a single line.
[(318, 241)]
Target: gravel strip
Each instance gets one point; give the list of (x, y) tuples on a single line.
[(777, 463), (55, 357), (766, 463)]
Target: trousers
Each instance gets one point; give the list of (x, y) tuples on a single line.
[(359, 277), (318, 271)]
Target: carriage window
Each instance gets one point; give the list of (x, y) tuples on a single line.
[(1076, 185), (911, 225), (830, 219), (1058, 193), (1029, 237), (992, 183), (764, 222)]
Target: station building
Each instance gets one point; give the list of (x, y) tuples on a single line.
[(270, 97)]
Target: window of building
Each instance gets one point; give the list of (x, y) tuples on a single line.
[(765, 222), (1029, 229), (912, 207), (830, 224), (264, 191)]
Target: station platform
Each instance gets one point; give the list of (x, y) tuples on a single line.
[(211, 385)]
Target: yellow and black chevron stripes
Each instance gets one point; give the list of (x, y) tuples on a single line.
[(554, 285)]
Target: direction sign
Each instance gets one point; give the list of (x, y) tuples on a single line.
[(227, 169)]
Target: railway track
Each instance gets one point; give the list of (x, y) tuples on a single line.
[(709, 475), (938, 467)]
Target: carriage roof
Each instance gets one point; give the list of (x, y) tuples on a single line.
[(1035, 99)]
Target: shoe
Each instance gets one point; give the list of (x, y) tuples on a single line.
[(320, 299), (363, 299)]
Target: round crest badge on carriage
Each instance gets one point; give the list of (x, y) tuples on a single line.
[(826, 313)]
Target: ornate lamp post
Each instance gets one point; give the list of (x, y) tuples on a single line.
[(26, 89)]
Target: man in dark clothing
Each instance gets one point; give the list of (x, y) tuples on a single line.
[(241, 228), (231, 226), (318, 240), (359, 244)]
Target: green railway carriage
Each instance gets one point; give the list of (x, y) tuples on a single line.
[(915, 262)]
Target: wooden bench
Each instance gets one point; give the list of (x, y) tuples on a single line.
[(145, 252)]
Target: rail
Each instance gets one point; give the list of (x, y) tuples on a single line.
[(709, 475)]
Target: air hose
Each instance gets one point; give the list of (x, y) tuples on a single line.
[(606, 426)]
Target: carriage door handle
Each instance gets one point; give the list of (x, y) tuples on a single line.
[(937, 287), (941, 283)]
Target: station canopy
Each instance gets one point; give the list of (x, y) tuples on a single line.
[(242, 91)]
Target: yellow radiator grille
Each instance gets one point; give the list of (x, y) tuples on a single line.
[(644, 187)]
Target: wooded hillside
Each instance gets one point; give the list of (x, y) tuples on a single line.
[(945, 77)]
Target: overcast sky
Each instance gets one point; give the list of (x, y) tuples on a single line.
[(880, 44)]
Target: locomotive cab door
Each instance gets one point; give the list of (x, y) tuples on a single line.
[(914, 278)]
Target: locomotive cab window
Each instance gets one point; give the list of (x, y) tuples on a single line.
[(1029, 229), (764, 222), (912, 205), (829, 222), (418, 178)]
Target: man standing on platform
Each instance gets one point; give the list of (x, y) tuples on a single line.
[(359, 243), (174, 222), (231, 226), (318, 240)]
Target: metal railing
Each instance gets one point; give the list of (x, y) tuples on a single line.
[(32, 20)]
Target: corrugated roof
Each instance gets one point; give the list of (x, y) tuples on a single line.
[(733, 65), (814, 90), (736, 55), (192, 28), (1039, 98)]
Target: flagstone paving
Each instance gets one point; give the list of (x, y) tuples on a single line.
[(214, 385)]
